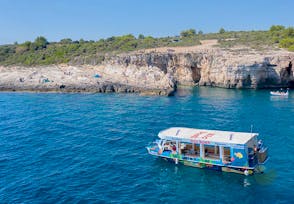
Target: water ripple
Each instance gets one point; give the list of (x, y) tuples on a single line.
[(91, 147)]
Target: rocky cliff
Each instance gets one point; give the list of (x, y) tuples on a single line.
[(217, 67), (68, 78), (159, 72)]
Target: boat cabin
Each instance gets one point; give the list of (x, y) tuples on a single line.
[(220, 150)]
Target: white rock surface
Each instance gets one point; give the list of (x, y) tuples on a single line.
[(159, 72)]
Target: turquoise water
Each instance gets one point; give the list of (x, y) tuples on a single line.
[(78, 148)]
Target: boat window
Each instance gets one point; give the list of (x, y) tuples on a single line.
[(168, 145), (211, 152), (227, 154), (190, 150)]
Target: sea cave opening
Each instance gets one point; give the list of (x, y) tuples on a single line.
[(196, 74)]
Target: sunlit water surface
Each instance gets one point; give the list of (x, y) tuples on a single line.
[(91, 147)]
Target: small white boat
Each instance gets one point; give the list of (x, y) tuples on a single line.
[(280, 93)]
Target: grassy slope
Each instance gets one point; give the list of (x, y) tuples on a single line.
[(41, 52)]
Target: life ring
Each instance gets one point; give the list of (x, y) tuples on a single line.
[(246, 172)]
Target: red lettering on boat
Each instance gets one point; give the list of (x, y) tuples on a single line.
[(197, 134)]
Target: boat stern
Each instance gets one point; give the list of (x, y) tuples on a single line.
[(154, 147)]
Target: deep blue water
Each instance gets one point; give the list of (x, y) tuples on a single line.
[(78, 148)]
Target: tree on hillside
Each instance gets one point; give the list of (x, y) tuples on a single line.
[(110, 39), (66, 41), (276, 32), (276, 28), (288, 32), (287, 42), (40, 43), (222, 30), (188, 33), (81, 41), (125, 43), (27, 44), (148, 42), (141, 37)]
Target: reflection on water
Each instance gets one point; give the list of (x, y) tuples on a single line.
[(279, 98), (208, 92), (219, 93), (183, 91), (246, 182), (266, 178)]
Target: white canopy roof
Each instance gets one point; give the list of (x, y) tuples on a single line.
[(206, 136)]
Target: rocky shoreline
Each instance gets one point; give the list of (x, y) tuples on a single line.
[(158, 72), (67, 78), (111, 88)]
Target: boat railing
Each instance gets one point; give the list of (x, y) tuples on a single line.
[(153, 146)]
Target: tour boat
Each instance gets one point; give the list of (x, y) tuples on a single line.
[(280, 93), (237, 152)]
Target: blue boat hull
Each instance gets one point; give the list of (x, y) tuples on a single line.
[(205, 164)]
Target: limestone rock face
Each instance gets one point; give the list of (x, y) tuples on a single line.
[(210, 67), (159, 73), (85, 78), (249, 70)]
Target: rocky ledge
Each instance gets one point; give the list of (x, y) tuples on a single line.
[(159, 72), (85, 78)]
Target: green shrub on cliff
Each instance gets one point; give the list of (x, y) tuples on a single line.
[(41, 52), (283, 36), (253, 39), (6, 51), (188, 33), (287, 42), (276, 36), (276, 32), (222, 31), (40, 43), (123, 43), (291, 48)]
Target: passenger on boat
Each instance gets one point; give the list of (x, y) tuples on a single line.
[(166, 147), (193, 151), (227, 160), (174, 148), (253, 156), (206, 152), (255, 149)]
